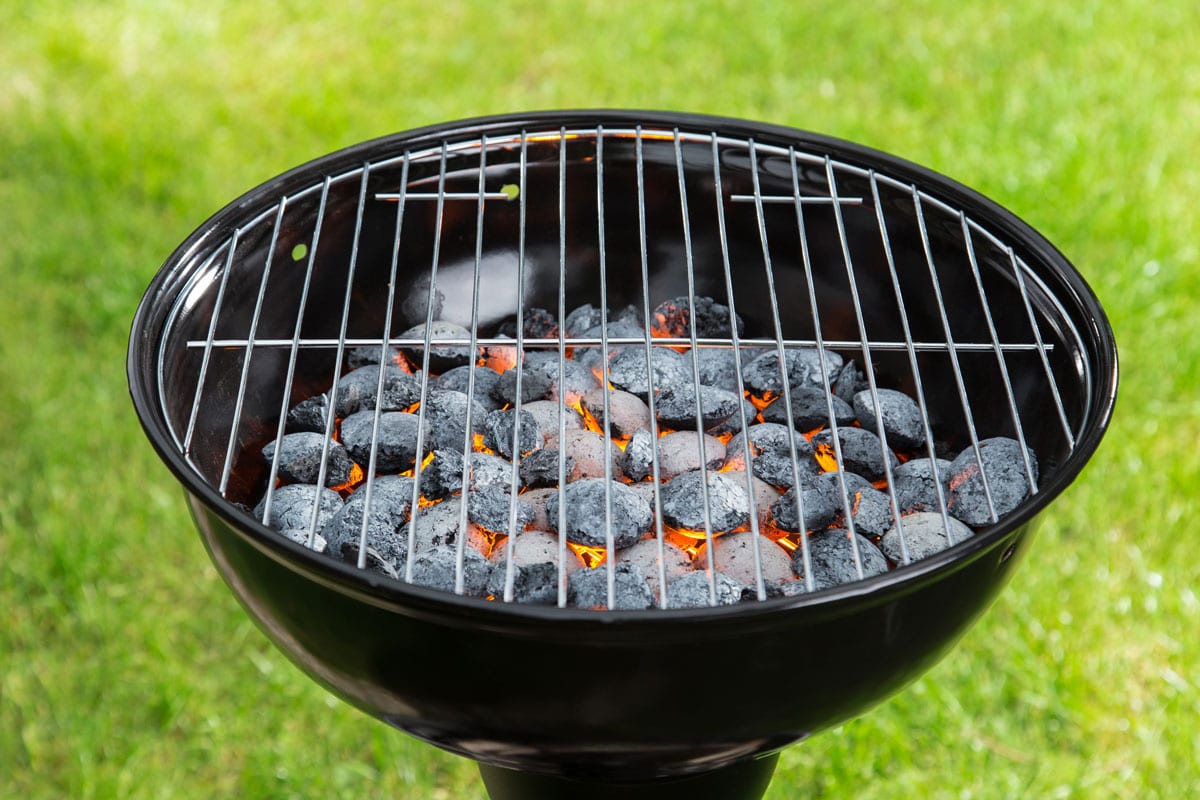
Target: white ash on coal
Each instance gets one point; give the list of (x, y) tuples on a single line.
[(534, 547), (535, 385), (546, 414), (899, 413), (491, 507), (300, 537), (679, 452), (645, 555), (1007, 481), (536, 323), (810, 409), (540, 469), (831, 556), (500, 428), (394, 440), (391, 500), (637, 460), (588, 451), (694, 591), (870, 509), (292, 506), (370, 354), (862, 451), (459, 378), (586, 501), (849, 382), (437, 568), (737, 421), (763, 375), (359, 390), (310, 414), (627, 413), (446, 413), (588, 588), (765, 495), (924, 534), (673, 318), (677, 405), (300, 459), (439, 524), (627, 369), (733, 554), (441, 357), (771, 454), (813, 507), (581, 319), (532, 584), (916, 485), (683, 505)]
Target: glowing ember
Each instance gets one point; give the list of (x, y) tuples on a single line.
[(592, 556), (826, 457), (356, 476)]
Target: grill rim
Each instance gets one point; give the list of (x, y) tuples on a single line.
[(1071, 292)]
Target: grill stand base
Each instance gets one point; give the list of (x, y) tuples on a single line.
[(745, 780)]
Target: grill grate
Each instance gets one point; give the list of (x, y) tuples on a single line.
[(435, 228)]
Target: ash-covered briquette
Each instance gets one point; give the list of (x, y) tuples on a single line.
[(588, 588), (442, 476), (500, 427), (490, 507), (440, 524), (357, 390), (457, 379), (538, 323), (870, 509), (395, 439), (803, 364), (644, 555), (764, 493), (532, 584), (777, 589), (849, 382), (637, 460), (924, 534), (900, 414), (673, 318), (591, 357), (627, 369), (738, 420), (441, 357), (581, 319), (300, 459), (831, 554), (916, 487), (1007, 481), (445, 413), (733, 554), (679, 452), (819, 504), (627, 413), (683, 502), (370, 354), (717, 366), (300, 537), (310, 414), (585, 517), (771, 454), (292, 506), (694, 591), (391, 500), (862, 452), (810, 409), (535, 385), (676, 405), (588, 451), (535, 547), (539, 469), (576, 379), (546, 413), (414, 308), (437, 568), (537, 499)]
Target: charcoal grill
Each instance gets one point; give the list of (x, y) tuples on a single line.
[(813, 241)]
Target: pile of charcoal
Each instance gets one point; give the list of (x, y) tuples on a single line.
[(625, 466)]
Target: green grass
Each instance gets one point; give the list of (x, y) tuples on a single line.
[(127, 669)]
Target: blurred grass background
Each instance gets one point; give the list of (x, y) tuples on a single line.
[(127, 669)]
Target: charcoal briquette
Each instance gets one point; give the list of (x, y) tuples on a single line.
[(540, 469), (627, 413), (588, 588), (588, 450), (924, 533), (546, 413), (537, 323), (502, 426), (1007, 481), (683, 502), (870, 509), (371, 354), (674, 318), (764, 493), (733, 554), (763, 375), (831, 556), (490, 507), (292, 506), (899, 413), (437, 568), (457, 379), (300, 537), (446, 413), (537, 499), (439, 524), (627, 369), (581, 319), (637, 460), (862, 451), (357, 390), (677, 405), (819, 504), (311, 414), (532, 584), (391, 499), (586, 502), (679, 452), (916, 487), (415, 307), (645, 555), (300, 459), (737, 421), (849, 382), (694, 590), (535, 385), (441, 357), (771, 454), (535, 547), (395, 439), (591, 356), (810, 409)]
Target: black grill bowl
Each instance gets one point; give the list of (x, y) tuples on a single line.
[(674, 703)]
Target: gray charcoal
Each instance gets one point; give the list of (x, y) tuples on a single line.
[(902, 425), (819, 503), (591, 357), (627, 369), (677, 404), (581, 319), (415, 307), (862, 451), (683, 502), (538, 323), (532, 584), (500, 428), (763, 375), (733, 554), (292, 506), (576, 379), (776, 589), (734, 425), (535, 385), (647, 491), (644, 555), (442, 476), (357, 390), (673, 318), (1007, 480), (771, 454), (588, 588), (369, 354), (534, 547), (870, 508), (679, 452), (849, 382), (490, 470), (586, 503), (717, 366), (924, 534), (915, 485), (395, 439), (810, 409), (831, 554), (637, 461), (587, 450), (437, 568), (490, 507), (441, 357), (458, 378), (309, 415), (632, 314), (440, 523), (300, 459), (391, 499), (540, 469), (537, 499), (300, 537), (546, 412), (627, 413), (765, 494), (445, 412), (693, 591)]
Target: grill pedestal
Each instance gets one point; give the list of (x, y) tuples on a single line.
[(745, 780)]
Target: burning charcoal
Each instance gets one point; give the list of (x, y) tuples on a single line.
[(631, 314), (300, 537), (300, 459), (718, 366), (581, 319), (534, 547), (499, 432), (441, 357), (588, 588), (644, 555), (391, 499), (626, 412), (673, 318), (646, 491), (309, 415), (679, 452), (539, 469), (538, 323), (870, 508), (535, 385), (532, 584), (415, 306), (849, 382), (442, 475), (395, 439), (457, 379), (292, 507), (489, 470), (546, 412), (762, 375), (490, 507), (775, 589), (810, 409), (819, 504), (771, 454), (627, 369), (369, 354), (677, 404), (446, 413), (924, 534), (439, 524), (915, 486), (437, 568), (1007, 481), (537, 499), (356, 391), (587, 451), (586, 503), (683, 502), (831, 555), (901, 417), (765, 494), (576, 379), (592, 357), (862, 452), (637, 461), (693, 591), (733, 554)]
